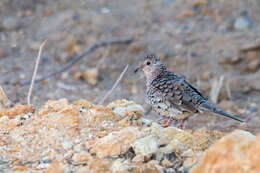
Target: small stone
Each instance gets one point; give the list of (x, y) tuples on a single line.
[(252, 55), (124, 108), (199, 3), (122, 140), (100, 166), (56, 167), (137, 47), (79, 75), (205, 76), (82, 157), (151, 167), (254, 84), (230, 57), (138, 159), (20, 168), (43, 166), (10, 23), (167, 163), (67, 145), (119, 167), (172, 133), (253, 66), (242, 23), (91, 76), (4, 101), (146, 146)]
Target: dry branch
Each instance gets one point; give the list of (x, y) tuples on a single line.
[(80, 56), (35, 72)]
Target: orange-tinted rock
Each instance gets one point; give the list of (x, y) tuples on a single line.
[(236, 152), (17, 110), (100, 166), (82, 157), (115, 143), (56, 167)]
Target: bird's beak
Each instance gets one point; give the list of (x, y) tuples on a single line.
[(139, 69)]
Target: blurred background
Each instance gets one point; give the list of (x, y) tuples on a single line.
[(214, 44)]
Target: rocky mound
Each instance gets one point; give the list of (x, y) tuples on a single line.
[(82, 137)]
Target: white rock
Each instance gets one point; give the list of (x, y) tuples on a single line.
[(146, 146)]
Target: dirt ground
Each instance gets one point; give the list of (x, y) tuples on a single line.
[(198, 39)]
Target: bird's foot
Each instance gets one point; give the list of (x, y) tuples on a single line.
[(182, 124), (168, 123)]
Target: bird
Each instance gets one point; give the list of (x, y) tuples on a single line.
[(171, 96)]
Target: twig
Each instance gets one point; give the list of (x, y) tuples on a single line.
[(80, 56), (114, 86), (228, 90), (35, 72), (215, 89)]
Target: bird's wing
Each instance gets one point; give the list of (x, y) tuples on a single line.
[(184, 95)]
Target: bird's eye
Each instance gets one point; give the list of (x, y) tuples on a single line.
[(148, 63)]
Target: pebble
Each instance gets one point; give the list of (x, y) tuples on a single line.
[(243, 22), (146, 146), (11, 23), (253, 65), (67, 145)]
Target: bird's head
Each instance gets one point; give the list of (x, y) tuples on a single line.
[(151, 66)]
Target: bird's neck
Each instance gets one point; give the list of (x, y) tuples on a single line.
[(157, 73)]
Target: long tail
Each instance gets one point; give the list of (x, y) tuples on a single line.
[(206, 106)]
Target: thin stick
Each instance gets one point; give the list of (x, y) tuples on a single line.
[(114, 86), (215, 89), (35, 73), (228, 90), (78, 57)]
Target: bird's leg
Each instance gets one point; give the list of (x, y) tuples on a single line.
[(181, 125), (168, 123)]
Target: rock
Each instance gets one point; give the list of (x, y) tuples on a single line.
[(17, 110), (124, 108), (19, 168), (4, 101), (137, 47), (205, 76), (82, 157), (198, 3), (242, 22), (99, 114), (119, 167), (236, 152), (169, 134), (105, 147), (167, 163), (91, 76), (67, 145), (151, 167), (56, 167), (99, 166), (146, 146), (79, 75), (230, 57), (253, 65), (138, 159), (10, 23)]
